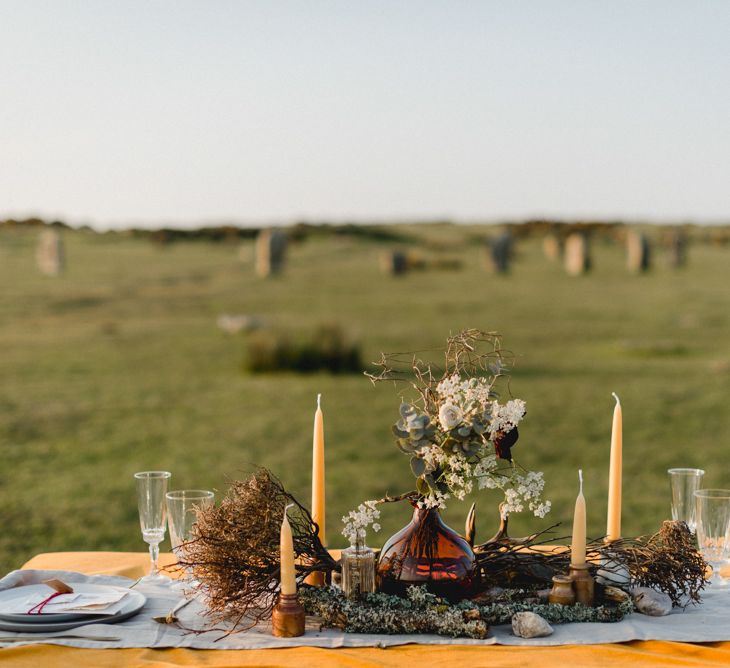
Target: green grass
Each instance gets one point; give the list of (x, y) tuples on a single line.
[(117, 366)]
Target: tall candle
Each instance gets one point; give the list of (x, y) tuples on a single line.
[(286, 549), (578, 546), (613, 524), (318, 505)]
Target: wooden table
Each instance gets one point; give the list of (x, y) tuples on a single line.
[(131, 564)]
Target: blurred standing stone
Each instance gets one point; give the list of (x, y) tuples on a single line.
[(577, 254), (552, 246), (499, 254), (637, 252), (49, 253), (393, 262), (270, 250), (678, 249)]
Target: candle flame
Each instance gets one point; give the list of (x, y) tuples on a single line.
[(319, 398), (580, 478), (615, 396)]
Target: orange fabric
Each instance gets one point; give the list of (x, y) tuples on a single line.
[(634, 654)]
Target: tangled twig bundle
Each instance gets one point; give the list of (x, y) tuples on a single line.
[(667, 561), (473, 352), (235, 549)]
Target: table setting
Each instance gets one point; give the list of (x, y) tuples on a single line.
[(254, 570)]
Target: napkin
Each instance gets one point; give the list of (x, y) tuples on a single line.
[(96, 603)]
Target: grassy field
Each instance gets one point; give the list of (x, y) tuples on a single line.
[(118, 366)]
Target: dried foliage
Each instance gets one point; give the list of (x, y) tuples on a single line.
[(472, 352), (235, 550), (667, 561)]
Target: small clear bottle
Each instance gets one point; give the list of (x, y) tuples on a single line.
[(358, 569)]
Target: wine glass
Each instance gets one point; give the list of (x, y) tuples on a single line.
[(683, 484), (151, 490), (713, 529)]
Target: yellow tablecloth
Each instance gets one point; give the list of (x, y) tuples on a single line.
[(634, 654)]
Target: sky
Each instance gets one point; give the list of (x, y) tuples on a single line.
[(119, 112)]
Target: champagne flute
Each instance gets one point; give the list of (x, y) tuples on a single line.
[(713, 529), (151, 490)]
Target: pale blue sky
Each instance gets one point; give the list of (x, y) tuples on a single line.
[(117, 112)]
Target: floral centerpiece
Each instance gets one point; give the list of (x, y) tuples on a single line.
[(457, 434)]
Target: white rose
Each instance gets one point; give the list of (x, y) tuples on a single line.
[(450, 416)]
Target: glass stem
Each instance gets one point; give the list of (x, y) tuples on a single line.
[(154, 556)]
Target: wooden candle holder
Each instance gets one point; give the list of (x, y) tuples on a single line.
[(287, 619), (562, 592), (583, 584)]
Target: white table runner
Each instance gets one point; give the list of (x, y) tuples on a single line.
[(708, 622)]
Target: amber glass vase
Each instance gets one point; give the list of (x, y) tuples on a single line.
[(427, 552)]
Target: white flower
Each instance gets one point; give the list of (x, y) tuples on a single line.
[(505, 418), (450, 416), (357, 521)]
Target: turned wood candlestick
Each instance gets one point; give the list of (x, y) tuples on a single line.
[(562, 592), (287, 619), (583, 584)]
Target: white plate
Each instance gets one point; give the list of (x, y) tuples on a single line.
[(129, 606), (10, 598)]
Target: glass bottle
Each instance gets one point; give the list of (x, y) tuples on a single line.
[(427, 552), (358, 569)]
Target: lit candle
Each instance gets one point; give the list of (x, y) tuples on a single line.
[(286, 548), (578, 546), (318, 505), (613, 525)]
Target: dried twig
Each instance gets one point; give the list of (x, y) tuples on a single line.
[(235, 549)]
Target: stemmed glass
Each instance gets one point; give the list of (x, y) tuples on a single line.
[(713, 529), (683, 484), (151, 490)]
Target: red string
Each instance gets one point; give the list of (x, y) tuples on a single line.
[(38, 608)]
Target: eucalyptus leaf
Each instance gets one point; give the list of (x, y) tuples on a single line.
[(400, 433), (418, 466), (404, 445), (406, 410)]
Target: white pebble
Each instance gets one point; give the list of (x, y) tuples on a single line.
[(613, 573), (530, 625), (651, 602)]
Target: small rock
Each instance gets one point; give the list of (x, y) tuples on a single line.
[(651, 602), (613, 573), (530, 625)]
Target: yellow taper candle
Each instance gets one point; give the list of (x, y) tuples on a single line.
[(318, 504), (613, 524), (578, 546), (286, 548)]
